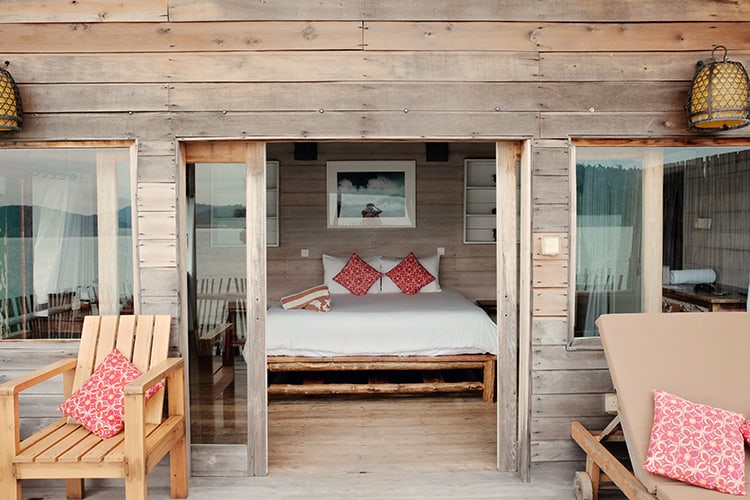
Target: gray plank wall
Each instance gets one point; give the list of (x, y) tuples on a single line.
[(439, 197), (157, 70)]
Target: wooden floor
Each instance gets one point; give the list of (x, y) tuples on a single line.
[(382, 435), (552, 481), (356, 434), (394, 447)]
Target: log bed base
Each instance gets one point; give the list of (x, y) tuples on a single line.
[(485, 362)]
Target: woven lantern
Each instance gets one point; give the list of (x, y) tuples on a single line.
[(11, 111), (719, 98)]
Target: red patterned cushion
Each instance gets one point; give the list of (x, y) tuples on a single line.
[(99, 405), (697, 444), (745, 429), (357, 276), (409, 275)]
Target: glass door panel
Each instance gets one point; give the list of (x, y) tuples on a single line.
[(218, 284)]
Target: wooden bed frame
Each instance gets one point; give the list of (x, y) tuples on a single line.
[(432, 383)]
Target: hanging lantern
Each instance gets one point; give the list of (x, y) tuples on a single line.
[(719, 98), (11, 111)]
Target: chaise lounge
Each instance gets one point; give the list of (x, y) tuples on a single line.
[(701, 357)]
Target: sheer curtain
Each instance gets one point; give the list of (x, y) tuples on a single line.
[(608, 241), (64, 234)]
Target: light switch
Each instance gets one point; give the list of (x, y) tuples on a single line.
[(550, 245), (305, 252), (702, 223)]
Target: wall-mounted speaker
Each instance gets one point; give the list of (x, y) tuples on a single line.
[(436, 151), (305, 151)]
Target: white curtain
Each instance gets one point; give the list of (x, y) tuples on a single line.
[(64, 239), (608, 243)]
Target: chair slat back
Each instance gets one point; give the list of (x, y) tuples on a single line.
[(143, 339)]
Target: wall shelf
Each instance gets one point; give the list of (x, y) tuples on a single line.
[(479, 201), (272, 203)]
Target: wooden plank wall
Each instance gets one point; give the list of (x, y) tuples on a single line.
[(717, 190), (159, 70), (302, 209)]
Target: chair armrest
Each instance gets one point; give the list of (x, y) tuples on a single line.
[(152, 376), (18, 384), (135, 403)]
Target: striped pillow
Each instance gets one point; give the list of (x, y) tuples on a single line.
[(317, 298)]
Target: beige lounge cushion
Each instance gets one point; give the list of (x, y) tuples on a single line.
[(700, 356)]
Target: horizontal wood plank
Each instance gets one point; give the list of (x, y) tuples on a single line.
[(317, 66), (549, 428), (550, 218), (556, 450), (288, 126), (554, 37), (431, 96), (571, 382), (550, 273), (512, 10), (89, 11), (548, 357), (549, 301), (549, 331), (567, 405), (156, 197), (157, 253), (242, 36)]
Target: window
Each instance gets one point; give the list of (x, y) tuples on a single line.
[(659, 229), (65, 239)]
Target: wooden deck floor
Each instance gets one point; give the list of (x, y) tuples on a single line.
[(549, 482), (368, 448), (395, 447), (381, 435)]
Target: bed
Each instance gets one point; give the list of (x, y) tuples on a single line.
[(435, 332)]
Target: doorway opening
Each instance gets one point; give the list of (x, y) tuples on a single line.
[(295, 236)]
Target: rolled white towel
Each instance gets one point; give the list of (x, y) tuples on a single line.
[(692, 276)]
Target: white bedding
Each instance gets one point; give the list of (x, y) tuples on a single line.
[(426, 324)]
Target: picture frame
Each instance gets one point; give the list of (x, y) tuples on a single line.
[(371, 194)]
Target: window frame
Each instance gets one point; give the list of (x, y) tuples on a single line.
[(132, 146), (594, 343)]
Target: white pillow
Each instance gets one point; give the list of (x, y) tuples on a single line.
[(431, 263), (333, 265)]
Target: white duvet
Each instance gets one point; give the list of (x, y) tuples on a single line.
[(426, 324)]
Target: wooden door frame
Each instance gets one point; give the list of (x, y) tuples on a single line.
[(513, 294)]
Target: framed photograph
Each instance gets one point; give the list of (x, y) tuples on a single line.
[(371, 194)]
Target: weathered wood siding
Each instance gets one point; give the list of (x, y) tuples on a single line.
[(160, 70), (439, 196)]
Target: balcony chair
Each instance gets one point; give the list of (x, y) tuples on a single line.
[(67, 450)]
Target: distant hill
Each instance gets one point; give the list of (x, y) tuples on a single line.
[(10, 221), (203, 213)]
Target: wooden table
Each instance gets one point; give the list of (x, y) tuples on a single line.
[(685, 298)]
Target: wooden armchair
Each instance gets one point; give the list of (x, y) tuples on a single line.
[(65, 450)]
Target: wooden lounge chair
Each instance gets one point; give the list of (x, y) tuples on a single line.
[(701, 357), (64, 450)]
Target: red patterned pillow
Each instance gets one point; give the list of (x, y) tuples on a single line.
[(357, 276), (409, 275), (99, 404), (745, 429), (697, 444)]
